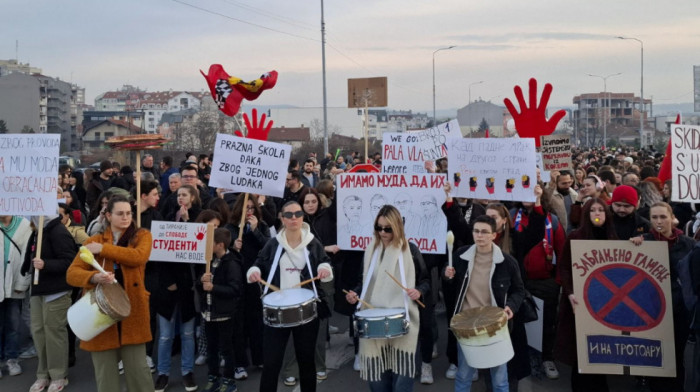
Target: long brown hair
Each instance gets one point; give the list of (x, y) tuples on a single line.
[(237, 209), (129, 235), (586, 228)]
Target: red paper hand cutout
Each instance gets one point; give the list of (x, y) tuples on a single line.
[(254, 131), (531, 121)]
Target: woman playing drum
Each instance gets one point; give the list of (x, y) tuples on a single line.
[(389, 364), (300, 257), (123, 251)]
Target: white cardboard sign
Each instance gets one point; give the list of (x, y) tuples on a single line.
[(406, 152), (179, 242), (29, 174), (685, 170)]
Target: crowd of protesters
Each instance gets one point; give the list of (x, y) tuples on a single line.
[(218, 314)]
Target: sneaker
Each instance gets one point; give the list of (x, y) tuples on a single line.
[(550, 369), (227, 385), (451, 372), (13, 367), (213, 384), (201, 360), (357, 366), (161, 383), (321, 376), (240, 373), (39, 385), (426, 374), (28, 353), (435, 351), (290, 381), (222, 362), (332, 329), (58, 385), (151, 365), (121, 367), (188, 382)]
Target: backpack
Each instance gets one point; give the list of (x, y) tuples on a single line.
[(685, 278), (536, 264)]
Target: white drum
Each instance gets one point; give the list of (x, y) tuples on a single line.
[(98, 310), (483, 335), (289, 308), (380, 323)]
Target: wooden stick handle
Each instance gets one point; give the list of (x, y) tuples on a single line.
[(307, 281), (271, 286), (138, 188), (363, 301), (209, 249), (402, 286), (243, 216), (39, 241)]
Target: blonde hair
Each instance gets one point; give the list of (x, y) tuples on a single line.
[(393, 216)]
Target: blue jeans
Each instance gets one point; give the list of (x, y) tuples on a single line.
[(392, 382), (9, 328), (463, 382), (165, 343)]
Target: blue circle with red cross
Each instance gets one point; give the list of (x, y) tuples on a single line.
[(624, 298)]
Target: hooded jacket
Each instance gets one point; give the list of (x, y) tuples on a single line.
[(14, 284)]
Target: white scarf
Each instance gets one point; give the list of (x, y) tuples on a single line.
[(396, 354)]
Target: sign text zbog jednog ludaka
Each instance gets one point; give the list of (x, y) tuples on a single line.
[(29, 174), (407, 152), (418, 197), (179, 242), (493, 169), (624, 317), (685, 169), (249, 165)]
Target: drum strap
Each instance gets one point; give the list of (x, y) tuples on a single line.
[(370, 271), (275, 263)]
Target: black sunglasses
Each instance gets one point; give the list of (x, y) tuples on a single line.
[(290, 215), (387, 229)]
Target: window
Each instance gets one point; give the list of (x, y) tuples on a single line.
[(109, 134), (97, 135)]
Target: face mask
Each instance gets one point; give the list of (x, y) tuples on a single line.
[(462, 203)]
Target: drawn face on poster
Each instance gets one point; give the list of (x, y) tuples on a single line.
[(415, 196)]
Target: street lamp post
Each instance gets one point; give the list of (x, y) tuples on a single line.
[(446, 48), (470, 89), (641, 108), (606, 111)]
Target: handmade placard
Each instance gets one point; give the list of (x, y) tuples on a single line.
[(406, 152), (179, 242), (685, 169), (624, 317)]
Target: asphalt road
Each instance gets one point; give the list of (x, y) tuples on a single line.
[(341, 376)]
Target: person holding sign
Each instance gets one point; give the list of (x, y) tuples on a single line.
[(486, 277), (292, 257), (390, 255), (679, 245), (122, 250), (592, 187), (596, 224)]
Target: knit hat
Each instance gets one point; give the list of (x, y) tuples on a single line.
[(629, 159), (625, 194)]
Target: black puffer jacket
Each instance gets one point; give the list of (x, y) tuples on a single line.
[(57, 251), (228, 287)]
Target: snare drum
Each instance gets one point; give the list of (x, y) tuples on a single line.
[(381, 323), (483, 335), (289, 308)]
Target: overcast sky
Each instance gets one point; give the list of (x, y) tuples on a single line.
[(162, 44)]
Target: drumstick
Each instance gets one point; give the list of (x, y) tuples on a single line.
[(363, 301), (271, 286), (307, 281), (402, 286)]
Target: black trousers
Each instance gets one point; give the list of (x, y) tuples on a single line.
[(274, 343), (220, 342), (425, 332)]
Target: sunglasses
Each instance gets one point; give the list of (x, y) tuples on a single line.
[(290, 215), (386, 229)]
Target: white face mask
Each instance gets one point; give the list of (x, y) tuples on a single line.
[(462, 203)]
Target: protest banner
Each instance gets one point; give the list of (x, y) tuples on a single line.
[(179, 242), (249, 165), (556, 153), (685, 169), (493, 169), (417, 196), (29, 174), (406, 152), (624, 319)]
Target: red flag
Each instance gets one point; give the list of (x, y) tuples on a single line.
[(229, 91), (665, 170)]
